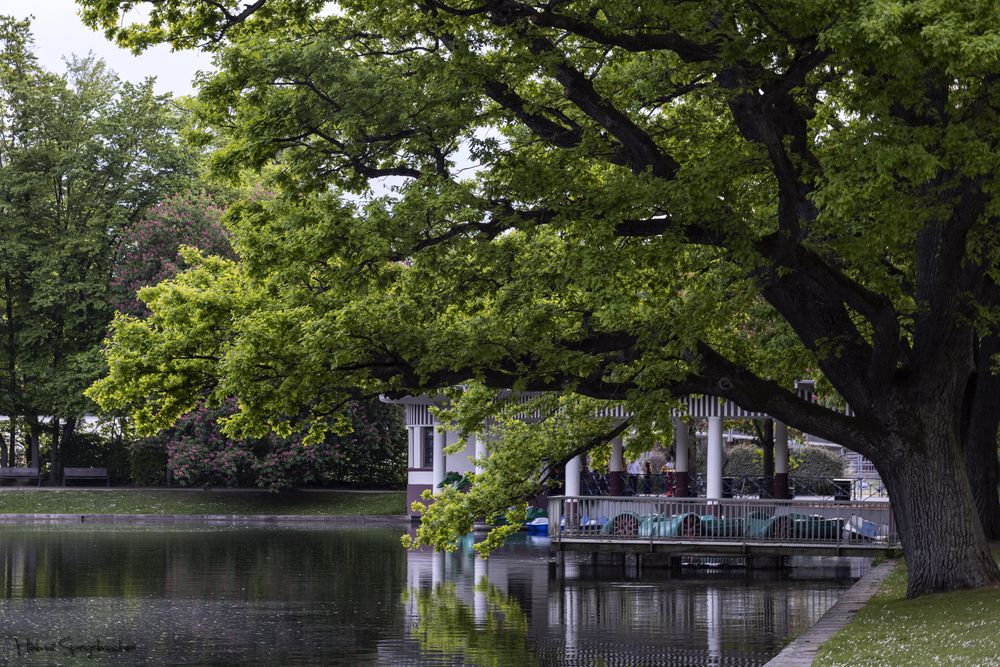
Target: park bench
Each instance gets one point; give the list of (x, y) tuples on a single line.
[(86, 474), (21, 473)]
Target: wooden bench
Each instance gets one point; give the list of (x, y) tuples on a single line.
[(21, 473), (86, 474)]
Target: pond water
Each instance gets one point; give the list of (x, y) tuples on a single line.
[(270, 596)]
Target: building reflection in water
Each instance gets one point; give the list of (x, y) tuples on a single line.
[(587, 614)]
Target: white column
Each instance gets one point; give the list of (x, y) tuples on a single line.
[(780, 447), (713, 488), (481, 452), (617, 462), (437, 476), (680, 446), (437, 569), (713, 623), (412, 440), (481, 584), (573, 467), (571, 606)]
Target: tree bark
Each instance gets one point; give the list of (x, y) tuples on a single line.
[(31, 459), (53, 451), (981, 467), (980, 438), (12, 443), (69, 429), (12, 455), (944, 542)]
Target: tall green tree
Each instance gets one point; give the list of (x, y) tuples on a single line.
[(612, 200), (82, 155)]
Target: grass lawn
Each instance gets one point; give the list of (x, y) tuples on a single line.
[(145, 501), (960, 628)]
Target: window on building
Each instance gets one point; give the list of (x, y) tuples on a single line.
[(427, 447)]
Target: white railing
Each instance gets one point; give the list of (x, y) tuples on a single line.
[(740, 486), (747, 521)]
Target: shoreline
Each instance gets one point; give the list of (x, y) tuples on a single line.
[(803, 649), (217, 519)]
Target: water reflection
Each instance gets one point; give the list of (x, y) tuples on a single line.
[(236, 597), (586, 614), (494, 631), (355, 597)]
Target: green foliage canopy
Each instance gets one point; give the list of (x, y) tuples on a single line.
[(619, 201)]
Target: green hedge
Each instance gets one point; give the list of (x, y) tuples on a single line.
[(816, 462), (744, 460)]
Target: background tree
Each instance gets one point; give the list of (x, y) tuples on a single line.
[(82, 155), (660, 192)]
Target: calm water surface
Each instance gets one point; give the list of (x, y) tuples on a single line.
[(249, 596)]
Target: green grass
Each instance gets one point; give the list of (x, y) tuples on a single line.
[(961, 628), (143, 501)]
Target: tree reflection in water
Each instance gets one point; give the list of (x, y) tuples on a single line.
[(515, 609), (447, 625)]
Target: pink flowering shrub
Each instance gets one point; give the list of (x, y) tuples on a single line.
[(148, 250)]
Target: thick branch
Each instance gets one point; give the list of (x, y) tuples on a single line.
[(548, 130), (717, 376), (641, 150), (505, 11)]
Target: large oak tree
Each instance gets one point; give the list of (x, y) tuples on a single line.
[(617, 200)]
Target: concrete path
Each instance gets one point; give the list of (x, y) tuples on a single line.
[(802, 651)]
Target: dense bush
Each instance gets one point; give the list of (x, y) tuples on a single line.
[(744, 460), (198, 454), (812, 468), (92, 449), (815, 462), (147, 463), (803, 462), (149, 249), (374, 453)]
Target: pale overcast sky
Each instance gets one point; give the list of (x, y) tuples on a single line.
[(59, 32)]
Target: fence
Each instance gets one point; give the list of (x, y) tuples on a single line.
[(746, 486), (655, 518)]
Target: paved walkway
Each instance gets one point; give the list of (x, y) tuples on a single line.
[(802, 651)]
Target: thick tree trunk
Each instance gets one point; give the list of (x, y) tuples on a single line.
[(982, 470), (980, 437), (942, 538), (69, 429)]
